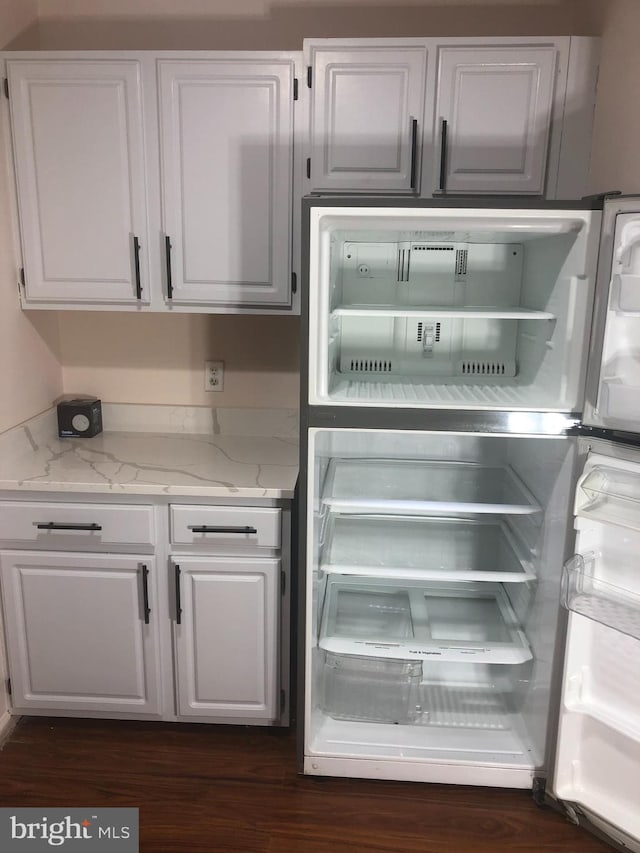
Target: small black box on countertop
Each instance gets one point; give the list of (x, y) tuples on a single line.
[(79, 417)]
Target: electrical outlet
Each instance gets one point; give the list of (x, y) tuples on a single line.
[(213, 375)]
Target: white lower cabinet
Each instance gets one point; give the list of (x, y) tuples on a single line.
[(226, 637), (82, 631), (146, 609)]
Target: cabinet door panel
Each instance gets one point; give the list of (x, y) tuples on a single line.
[(227, 648), (76, 633), (79, 159), (497, 103), (364, 104), (227, 131)]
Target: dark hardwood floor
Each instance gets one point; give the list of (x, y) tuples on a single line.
[(214, 788)]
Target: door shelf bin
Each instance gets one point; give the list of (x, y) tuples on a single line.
[(598, 600), (371, 689), (610, 495), (463, 622), (414, 548), (416, 487)]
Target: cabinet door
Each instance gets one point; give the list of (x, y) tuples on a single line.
[(227, 169), (227, 637), (367, 111), (80, 173), (493, 115), (81, 632)]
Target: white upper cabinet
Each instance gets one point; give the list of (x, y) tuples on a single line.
[(493, 117), (366, 116), (81, 185), (226, 129)]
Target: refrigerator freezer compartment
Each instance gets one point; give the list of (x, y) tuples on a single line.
[(371, 689), (418, 487), (606, 603), (416, 548), (463, 622), (610, 495), (490, 313)]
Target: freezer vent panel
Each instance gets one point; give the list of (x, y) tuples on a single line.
[(370, 365), (433, 248), (461, 264), (483, 368), (421, 330), (404, 258)]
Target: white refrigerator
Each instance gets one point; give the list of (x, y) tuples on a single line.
[(470, 498)]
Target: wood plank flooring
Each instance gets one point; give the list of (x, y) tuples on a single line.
[(218, 788)]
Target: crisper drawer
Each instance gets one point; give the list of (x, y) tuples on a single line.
[(71, 526), (225, 526)]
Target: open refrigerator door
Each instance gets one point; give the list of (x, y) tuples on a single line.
[(598, 750), (613, 377)]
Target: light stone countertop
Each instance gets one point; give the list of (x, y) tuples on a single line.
[(158, 450)]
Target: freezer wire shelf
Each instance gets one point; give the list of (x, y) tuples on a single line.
[(419, 548), (597, 599), (438, 312), (416, 487), (417, 621), (610, 495), (457, 392)]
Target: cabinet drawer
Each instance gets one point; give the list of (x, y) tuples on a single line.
[(72, 526), (217, 526)]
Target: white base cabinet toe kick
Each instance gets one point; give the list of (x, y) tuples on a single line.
[(147, 609)]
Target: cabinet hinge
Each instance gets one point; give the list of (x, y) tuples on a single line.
[(9, 687), (309, 167), (22, 276), (6, 87), (283, 582), (295, 88), (294, 282), (309, 76), (283, 700)]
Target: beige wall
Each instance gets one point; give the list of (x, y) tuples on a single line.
[(160, 359), (254, 24), (615, 160), (30, 377)]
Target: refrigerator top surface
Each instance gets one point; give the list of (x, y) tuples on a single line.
[(470, 202)]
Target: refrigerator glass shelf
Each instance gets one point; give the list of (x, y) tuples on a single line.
[(418, 548), (610, 495), (597, 599), (466, 313), (416, 487), (472, 623)]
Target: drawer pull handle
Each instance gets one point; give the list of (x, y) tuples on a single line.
[(205, 528), (145, 593), (53, 525), (176, 569)]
